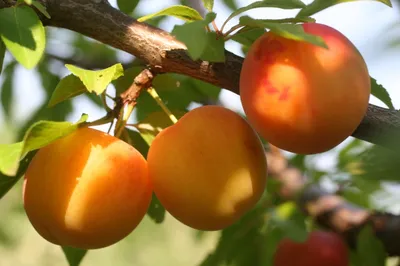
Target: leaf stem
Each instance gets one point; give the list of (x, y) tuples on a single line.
[(104, 120), (224, 24), (153, 93), (103, 100), (215, 27), (236, 27)]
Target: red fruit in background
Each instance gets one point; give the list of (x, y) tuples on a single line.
[(320, 249)]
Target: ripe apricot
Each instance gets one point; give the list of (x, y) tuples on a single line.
[(320, 248), (301, 97), (86, 190), (209, 168)]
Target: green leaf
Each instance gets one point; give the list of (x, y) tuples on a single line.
[(216, 48), (156, 211), (283, 4), (9, 157), (179, 11), (70, 86), (194, 36), (43, 133), (289, 31), (152, 125), (7, 182), (380, 164), (2, 54), (381, 93), (289, 219), (370, 249), (23, 34), (208, 4), (127, 6), (349, 153), (74, 255), (41, 8), (200, 43), (7, 90), (38, 135), (243, 243), (319, 5), (358, 198), (208, 91), (97, 80), (177, 100), (231, 4), (248, 37)]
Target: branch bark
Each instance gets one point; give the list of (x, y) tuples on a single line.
[(163, 53), (331, 211)]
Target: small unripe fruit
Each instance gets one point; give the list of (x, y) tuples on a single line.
[(86, 190), (301, 97), (320, 249), (209, 168)]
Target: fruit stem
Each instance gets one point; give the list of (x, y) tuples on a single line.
[(126, 112), (153, 93)]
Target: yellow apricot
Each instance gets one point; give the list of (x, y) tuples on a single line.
[(86, 190), (209, 168), (303, 98)]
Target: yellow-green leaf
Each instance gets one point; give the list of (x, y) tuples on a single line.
[(319, 5), (70, 86), (290, 31), (97, 80), (23, 34), (179, 11)]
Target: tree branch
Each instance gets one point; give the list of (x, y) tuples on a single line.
[(331, 211)]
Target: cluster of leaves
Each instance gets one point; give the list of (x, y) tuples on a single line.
[(252, 240)]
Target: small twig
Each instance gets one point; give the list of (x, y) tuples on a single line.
[(129, 97), (111, 125), (157, 98)]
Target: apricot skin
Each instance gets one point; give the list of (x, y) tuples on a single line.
[(303, 98), (208, 169), (321, 248), (86, 190)]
